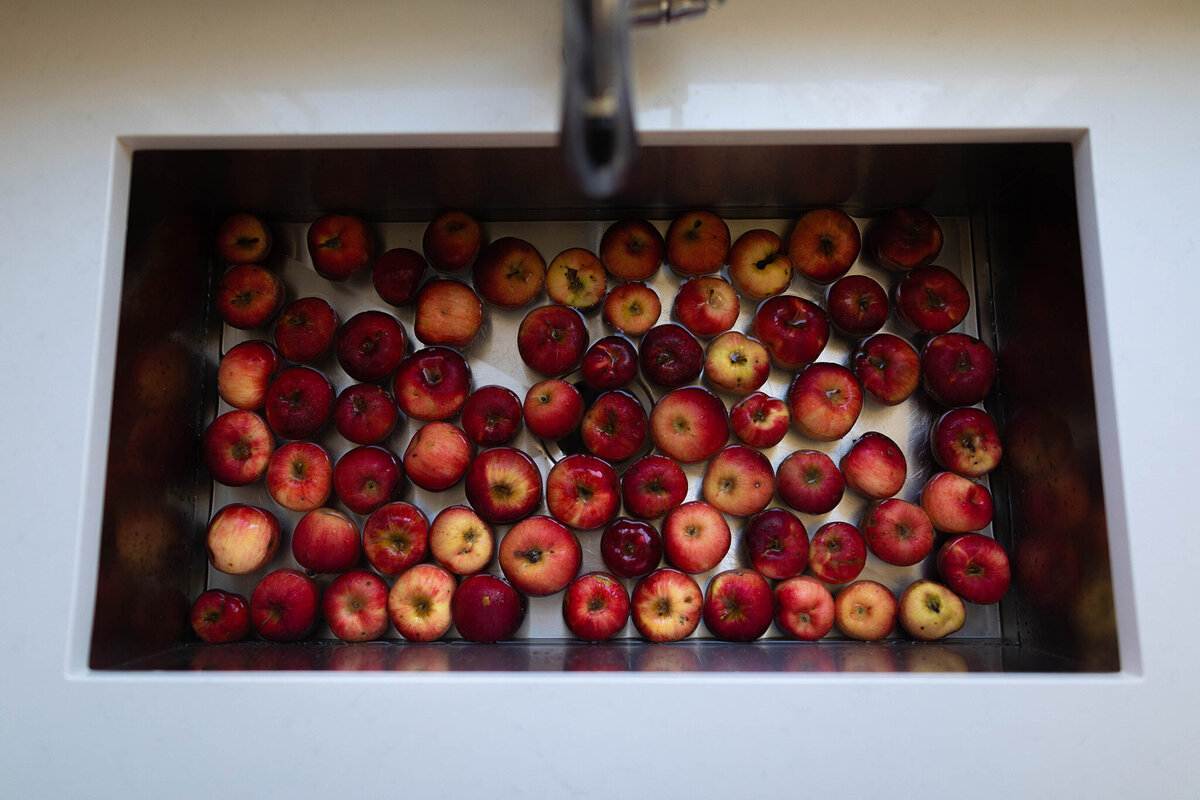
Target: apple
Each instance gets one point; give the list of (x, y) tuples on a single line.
[(583, 492), (652, 486), (957, 369), (452, 240), (666, 606), (218, 617), (284, 606), (823, 245), (793, 329), (804, 608), (975, 567), (632, 249), (419, 602), (539, 556), (449, 313), (365, 414), (837, 552), (758, 266), (504, 485), (248, 296), (486, 608), (739, 481), (632, 308), (237, 448), (697, 243), (367, 477), (610, 363), (857, 306), (738, 605), (707, 305), (777, 543), (306, 329), (491, 415), (595, 607), (695, 537), (243, 239), (326, 540), (241, 539), (245, 372), (299, 403), (437, 456), (615, 427), (760, 420), (370, 345), (355, 606), (552, 409), (689, 424), (340, 245), (432, 383), (509, 273), (300, 476), (897, 531), (888, 367), (397, 274), (905, 238), (576, 278), (630, 548), (461, 541), (965, 440), (956, 504), (552, 339), (394, 537), (670, 356), (865, 610), (929, 611), (737, 363), (875, 466), (810, 482), (931, 300)]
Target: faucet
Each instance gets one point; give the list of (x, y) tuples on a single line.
[(598, 137)]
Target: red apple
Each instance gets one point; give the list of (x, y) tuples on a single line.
[(237, 448), (810, 482), (509, 273), (576, 278), (452, 240), (355, 606), (241, 539), (218, 617), (615, 427), (695, 537), (486, 609), (697, 243), (245, 372), (824, 401), (299, 403), (930, 611), (503, 485), (595, 607), (461, 541), (552, 339), (823, 245), (326, 540), (760, 420), (284, 606), (365, 414), (437, 456), (432, 383), (243, 239), (632, 249), (965, 440), (739, 481), (956, 369), (875, 466), (956, 504), (897, 531), (865, 610), (610, 363), (975, 567), (583, 492), (666, 606), (794, 330), (397, 274), (552, 409), (652, 486), (449, 313), (736, 363), (857, 306), (777, 543), (341, 246), (370, 345), (758, 266), (888, 367), (632, 308), (305, 330), (738, 605), (394, 537), (803, 608), (707, 306), (491, 415), (630, 548), (689, 424), (670, 356), (905, 238), (837, 552), (539, 556), (249, 296), (367, 477), (300, 476), (931, 300), (419, 603)]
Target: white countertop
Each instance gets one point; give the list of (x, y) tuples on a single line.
[(77, 76)]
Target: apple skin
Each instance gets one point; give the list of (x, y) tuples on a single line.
[(491, 415), (793, 329), (738, 605), (905, 238), (804, 608), (218, 617), (975, 567), (695, 537), (697, 243), (437, 456), (670, 356), (305, 330), (539, 556), (931, 300), (432, 383), (552, 409), (632, 308), (300, 476), (248, 296), (241, 539), (452, 240), (630, 548), (930, 611), (837, 552), (824, 244), (810, 482), (486, 608), (419, 603), (237, 448), (370, 345), (857, 306), (242, 239), (284, 606), (552, 340), (394, 537), (956, 504), (888, 368), (632, 249), (739, 481), (897, 532), (666, 605), (652, 486), (758, 267), (583, 491), (595, 607), (448, 313), (965, 441), (707, 306), (355, 606), (397, 274), (875, 466), (615, 427), (509, 273), (610, 363), (576, 278), (503, 485), (341, 246), (689, 424), (777, 543), (736, 363), (760, 420), (957, 369), (365, 414), (326, 540), (461, 541), (367, 477), (865, 610), (299, 403)]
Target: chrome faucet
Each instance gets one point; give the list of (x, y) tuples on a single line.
[(598, 137)]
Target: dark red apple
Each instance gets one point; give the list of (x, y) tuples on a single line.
[(777, 543), (491, 415), (452, 240), (397, 274), (957, 369), (341, 246), (306, 329), (486, 608), (857, 306), (738, 605), (652, 486), (931, 300), (888, 367), (299, 403), (610, 363), (285, 605), (630, 548), (370, 345), (615, 427), (897, 531), (905, 238), (365, 414), (552, 339), (367, 477), (760, 420), (795, 330), (837, 552), (975, 567), (432, 383), (249, 296), (810, 482), (670, 356)]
